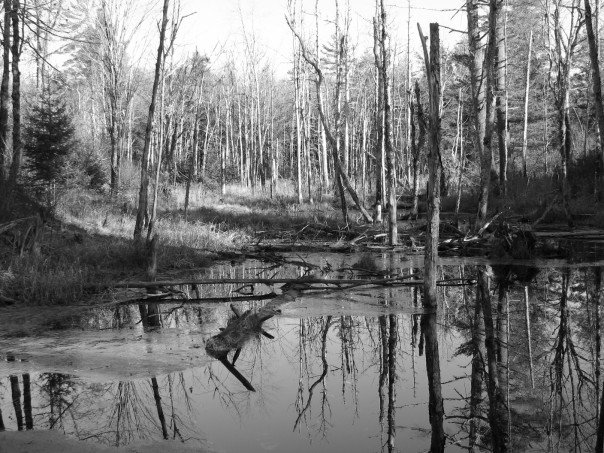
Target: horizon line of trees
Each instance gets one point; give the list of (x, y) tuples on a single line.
[(341, 118)]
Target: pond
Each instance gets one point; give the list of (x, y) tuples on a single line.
[(339, 370)]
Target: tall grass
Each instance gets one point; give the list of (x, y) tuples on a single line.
[(91, 240)]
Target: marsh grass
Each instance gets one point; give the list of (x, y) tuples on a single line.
[(249, 212), (90, 241)]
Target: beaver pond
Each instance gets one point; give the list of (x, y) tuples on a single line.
[(326, 371)]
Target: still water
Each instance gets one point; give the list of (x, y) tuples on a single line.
[(335, 371)]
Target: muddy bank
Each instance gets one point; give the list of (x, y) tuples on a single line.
[(55, 442)]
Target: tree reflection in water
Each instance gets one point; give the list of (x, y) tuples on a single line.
[(511, 364)]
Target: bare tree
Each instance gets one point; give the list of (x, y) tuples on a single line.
[(384, 69), (526, 105), (432, 62), (501, 65), (564, 24), (333, 140), (5, 89), (16, 49), (596, 81), (491, 86), (144, 187)]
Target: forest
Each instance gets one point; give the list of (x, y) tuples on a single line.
[(297, 200)]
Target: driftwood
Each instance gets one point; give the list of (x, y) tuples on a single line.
[(242, 328), (165, 299), (253, 281)]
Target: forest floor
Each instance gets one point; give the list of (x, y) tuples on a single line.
[(88, 242)]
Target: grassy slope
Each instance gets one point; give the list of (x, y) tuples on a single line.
[(90, 239)]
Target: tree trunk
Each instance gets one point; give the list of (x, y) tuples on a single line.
[(434, 164), (27, 409), (4, 91), (566, 37), (409, 99), (497, 411), (436, 409), (476, 77), (160, 154), (487, 154), (417, 147), (324, 150), (462, 158), (597, 84), (144, 188), (16, 95), (501, 102), (224, 152), (331, 139), (379, 125), (389, 148), (16, 397), (158, 406), (526, 105), (392, 348), (478, 354), (298, 108), (192, 164)]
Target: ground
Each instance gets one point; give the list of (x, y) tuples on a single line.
[(55, 442)]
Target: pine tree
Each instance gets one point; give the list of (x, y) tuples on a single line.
[(49, 139)]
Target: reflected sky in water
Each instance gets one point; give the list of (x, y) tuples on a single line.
[(345, 371)]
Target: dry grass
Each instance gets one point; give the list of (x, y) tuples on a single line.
[(90, 242)]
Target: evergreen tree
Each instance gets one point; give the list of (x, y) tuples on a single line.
[(49, 139)]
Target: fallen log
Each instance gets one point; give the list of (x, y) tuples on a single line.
[(203, 300), (251, 281), (242, 328)]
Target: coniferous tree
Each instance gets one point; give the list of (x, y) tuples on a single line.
[(49, 141)]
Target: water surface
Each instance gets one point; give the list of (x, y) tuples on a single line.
[(340, 371)]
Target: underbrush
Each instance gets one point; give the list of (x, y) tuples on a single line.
[(98, 215), (90, 240), (67, 260), (530, 199), (248, 211), (58, 269)]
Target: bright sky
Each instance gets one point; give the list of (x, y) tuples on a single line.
[(216, 27)]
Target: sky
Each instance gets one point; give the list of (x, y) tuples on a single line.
[(216, 28)]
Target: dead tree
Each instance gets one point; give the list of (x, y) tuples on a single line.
[(476, 51), (566, 34), (432, 62), (417, 145), (383, 70), (4, 90), (491, 84), (16, 49), (242, 328), (332, 140), (144, 187), (526, 105), (497, 410), (380, 181), (435, 402), (596, 81), (501, 65)]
